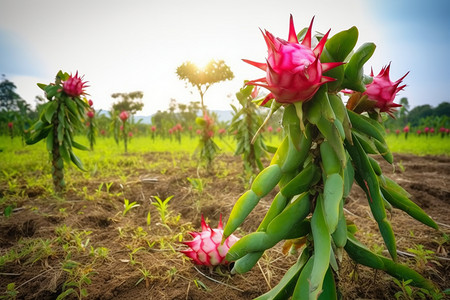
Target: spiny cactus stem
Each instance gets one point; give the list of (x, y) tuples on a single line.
[(58, 169)]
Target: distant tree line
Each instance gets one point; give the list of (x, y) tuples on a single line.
[(420, 116)]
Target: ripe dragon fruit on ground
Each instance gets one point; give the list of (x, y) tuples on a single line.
[(206, 248)]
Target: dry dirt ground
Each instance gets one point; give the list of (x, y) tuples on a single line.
[(64, 241)]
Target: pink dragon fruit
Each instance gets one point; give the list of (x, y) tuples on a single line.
[(90, 114), (206, 249), (293, 70), (74, 86), (123, 116), (383, 91)]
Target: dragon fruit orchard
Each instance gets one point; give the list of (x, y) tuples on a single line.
[(325, 150)]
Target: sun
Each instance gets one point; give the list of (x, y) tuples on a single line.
[(201, 61)]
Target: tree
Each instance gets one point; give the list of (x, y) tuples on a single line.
[(419, 112), (8, 96), (130, 102), (443, 109), (202, 79)]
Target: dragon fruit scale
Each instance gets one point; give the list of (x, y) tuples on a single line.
[(293, 69), (206, 248), (383, 91), (74, 86)]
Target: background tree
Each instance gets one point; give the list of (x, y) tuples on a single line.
[(130, 102), (8, 96), (14, 109), (202, 79)]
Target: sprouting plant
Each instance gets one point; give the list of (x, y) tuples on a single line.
[(11, 292), (86, 193), (78, 277), (197, 184), (200, 285), (99, 189), (7, 212), (401, 166), (63, 211), (408, 292), (442, 241), (121, 232), (108, 186), (132, 260), (99, 252), (162, 207), (422, 256), (149, 219), (127, 206), (146, 275), (71, 238), (171, 273)]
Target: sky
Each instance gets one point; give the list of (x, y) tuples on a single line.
[(125, 46)]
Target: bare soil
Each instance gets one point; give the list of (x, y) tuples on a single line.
[(133, 245)]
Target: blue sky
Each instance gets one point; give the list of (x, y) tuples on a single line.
[(123, 46)]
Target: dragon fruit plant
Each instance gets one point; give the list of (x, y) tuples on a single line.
[(406, 131), (206, 149), (60, 118), (123, 116), (207, 248), (91, 126), (246, 122), (11, 129), (326, 149)]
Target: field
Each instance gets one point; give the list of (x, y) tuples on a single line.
[(89, 244)]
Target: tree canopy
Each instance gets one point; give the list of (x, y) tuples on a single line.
[(131, 102), (9, 99), (203, 78)]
